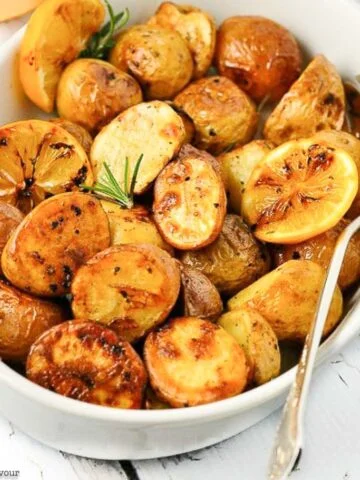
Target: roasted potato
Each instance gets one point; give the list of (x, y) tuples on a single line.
[(237, 166), (77, 131), (196, 27), (92, 92), (258, 340), (152, 129), (189, 200), (287, 299), (152, 402), (10, 217), (316, 101), (192, 361), (199, 297), (233, 261), (320, 249), (50, 244), (259, 55), (130, 288), (223, 114), (188, 123), (157, 57), (88, 362), (23, 320)]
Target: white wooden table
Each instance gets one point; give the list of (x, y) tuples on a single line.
[(332, 449)]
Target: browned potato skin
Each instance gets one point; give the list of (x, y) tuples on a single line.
[(259, 55), (320, 249), (223, 114), (77, 131), (53, 241), (192, 362), (92, 92), (233, 261), (23, 320), (10, 217), (130, 288), (157, 57), (88, 362), (187, 121)]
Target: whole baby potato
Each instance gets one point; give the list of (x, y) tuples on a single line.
[(92, 92), (157, 57), (259, 55)]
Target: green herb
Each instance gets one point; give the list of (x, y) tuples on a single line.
[(100, 44), (109, 187)]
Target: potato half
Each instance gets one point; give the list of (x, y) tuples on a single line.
[(59, 235), (77, 131), (10, 218), (130, 288), (192, 361), (88, 362), (189, 200), (287, 299)]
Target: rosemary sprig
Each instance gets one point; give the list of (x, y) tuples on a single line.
[(110, 188), (100, 44)]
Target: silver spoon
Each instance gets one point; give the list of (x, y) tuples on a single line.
[(290, 439)]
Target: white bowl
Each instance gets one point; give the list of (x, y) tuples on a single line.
[(322, 26)]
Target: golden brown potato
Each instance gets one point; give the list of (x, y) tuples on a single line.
[(152, 402), (88, 362), (10, 217), (320, 249), (199, 296), (188, 123), (192, 361), (92, 92), (23, 320), (223, 115), (287, 299), (259, 55), (157, 57), (233, 261), (77, 131), (59, 235), (196, 27), (130, 288), (316, 101), (189, 200), (237, 166), (258, 340)]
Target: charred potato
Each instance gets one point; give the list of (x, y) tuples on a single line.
[(23, 320), (59, 235), (130, 288), (92, 92), (77, 131), (259, 55), (316, 101), (157, 57), (287, 299), (233, 261), (192, 361), (196, 27), (10, 218), (88, 362), (189, 200), (258, 340), (223, 114)]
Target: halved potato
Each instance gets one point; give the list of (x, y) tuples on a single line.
[(192, 361), (151, 129), (196, 27), (23, 320), (77, 131), (57, 32), (39, 159), (187, 121), (258, 340), (59, 235), (10, 217), (316, 101), (189, 200), (88, 362), (130, 288), (287, 299)]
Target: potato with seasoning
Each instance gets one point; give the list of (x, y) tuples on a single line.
[(192, 362), (234, 260), (88, 362), (77, 131), (10, 217), (223, 114), (188, 123), (130, 288), (189, 200), (53, 241)]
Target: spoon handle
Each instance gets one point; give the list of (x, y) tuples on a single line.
[(289, 440)]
